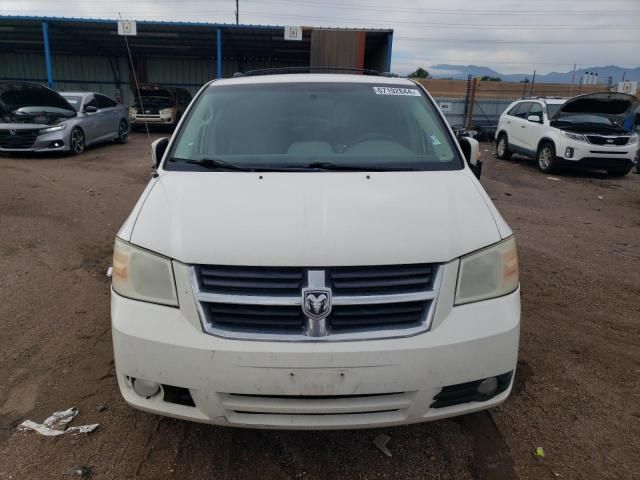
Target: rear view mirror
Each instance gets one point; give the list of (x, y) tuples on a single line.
[(471, 149), (534, 118), (158, 147), (90, 109)]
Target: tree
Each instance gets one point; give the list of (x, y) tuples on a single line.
[(487, 78), (419, 73)]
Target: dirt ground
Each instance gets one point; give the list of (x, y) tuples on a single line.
[(577, 390)]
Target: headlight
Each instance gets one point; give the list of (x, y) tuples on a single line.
[(633, 139), (56, 128), (141, 275), (167, 111), (489, 273), (575, 136)]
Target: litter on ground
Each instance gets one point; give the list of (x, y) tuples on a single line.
[(381, 442), (57, 424)]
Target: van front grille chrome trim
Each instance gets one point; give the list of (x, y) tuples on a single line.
[(316, 303)]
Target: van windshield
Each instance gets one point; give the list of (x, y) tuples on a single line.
[(305, 126)]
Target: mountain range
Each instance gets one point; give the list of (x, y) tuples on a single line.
[(461, 72)]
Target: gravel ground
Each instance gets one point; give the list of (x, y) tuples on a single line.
[(577, 393)]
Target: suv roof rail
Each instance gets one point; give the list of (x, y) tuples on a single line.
[(285, 70), (542, 97)]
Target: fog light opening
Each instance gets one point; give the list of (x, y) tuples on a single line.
[(488, 386), (568, 153), (56, 144), (145, 388)]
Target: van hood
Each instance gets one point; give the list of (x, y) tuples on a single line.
[(315, 219), (609, 104)]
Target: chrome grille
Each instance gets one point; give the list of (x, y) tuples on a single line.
[(231, 315), (383, 280), (289, 318), (266, 303), (250, 280), (18, 138), (608, 140), (384, 315)]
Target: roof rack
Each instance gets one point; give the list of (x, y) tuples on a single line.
[(285, 70), (542, 97)]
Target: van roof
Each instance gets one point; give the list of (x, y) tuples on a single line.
[(315, 77)]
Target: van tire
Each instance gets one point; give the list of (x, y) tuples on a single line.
[(546, 157), (502, 147)]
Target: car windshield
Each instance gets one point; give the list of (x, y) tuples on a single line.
[(74, 100), (308, 125)]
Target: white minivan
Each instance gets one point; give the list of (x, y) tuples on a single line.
[(314, 252)]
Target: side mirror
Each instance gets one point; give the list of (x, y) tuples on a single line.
[(158, 147), (534, 118), (90, 109), (471, 149)]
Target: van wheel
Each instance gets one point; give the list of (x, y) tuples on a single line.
[(619, 172), (123, 132), (546, 157), (502, 148), (77, 142)]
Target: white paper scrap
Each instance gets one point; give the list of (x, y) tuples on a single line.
[(56, 424)]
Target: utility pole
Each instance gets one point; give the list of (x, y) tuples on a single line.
[(533, 83), (472, 101), (237, 12)]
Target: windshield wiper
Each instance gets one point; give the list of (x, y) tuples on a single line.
[(213, 164), (352, 168)]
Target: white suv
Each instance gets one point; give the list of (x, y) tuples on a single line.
[(314, 252), (585, 131)]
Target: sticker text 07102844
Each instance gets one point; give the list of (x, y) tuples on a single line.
[(396, 91)]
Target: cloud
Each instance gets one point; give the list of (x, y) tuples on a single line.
[(509, 36)]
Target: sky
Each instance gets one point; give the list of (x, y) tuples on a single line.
[(510, 36)]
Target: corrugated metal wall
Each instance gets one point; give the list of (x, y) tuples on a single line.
[(22, 66), (190, 73), (486, 112), (69, 72), (88, 73), (92, 74)]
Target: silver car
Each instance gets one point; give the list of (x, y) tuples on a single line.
[(34, 118)]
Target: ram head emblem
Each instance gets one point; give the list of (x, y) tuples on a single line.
[(316, 303)]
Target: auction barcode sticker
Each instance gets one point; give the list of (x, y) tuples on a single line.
[(396, 91)]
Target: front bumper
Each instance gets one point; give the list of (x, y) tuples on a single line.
[(152, 119), (48, 142), (588, 155), (308, 385)]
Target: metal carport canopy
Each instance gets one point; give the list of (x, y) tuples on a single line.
[(84, 36)]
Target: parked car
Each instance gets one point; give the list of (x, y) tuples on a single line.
[(585, 131), (34, 118), (314, 253), (158, 105)]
